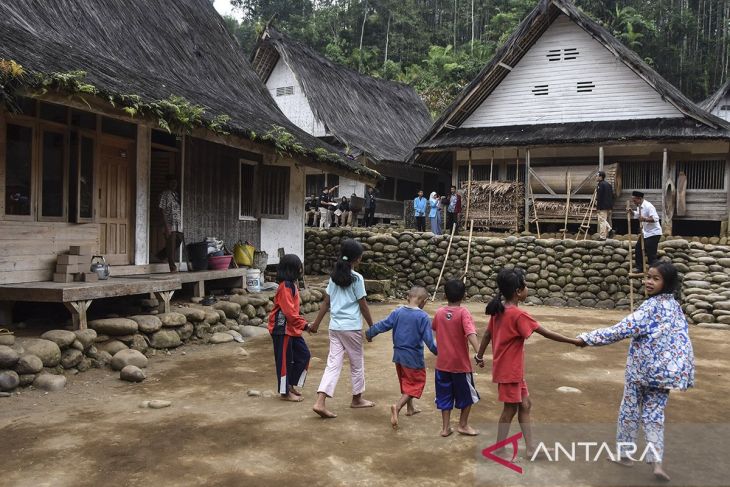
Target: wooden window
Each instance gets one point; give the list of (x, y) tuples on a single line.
[(53, 113), (315, 184), (19, 170), (247, 183), (540, 90), (285, 91), (274, 192), (585, 86), (704, 174), (53, 174), (641, 175), (512, 171)]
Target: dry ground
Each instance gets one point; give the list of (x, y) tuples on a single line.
[(94, 433)]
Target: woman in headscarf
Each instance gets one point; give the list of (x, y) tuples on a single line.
[(434, 214)]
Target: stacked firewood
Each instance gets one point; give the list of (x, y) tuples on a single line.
[(552, 209), (506, 210)]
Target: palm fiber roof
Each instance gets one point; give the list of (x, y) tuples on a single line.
[(154, 49), (380, 118)]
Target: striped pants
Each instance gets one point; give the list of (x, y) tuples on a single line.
[(643, 407), (292, 361), (341, 343)]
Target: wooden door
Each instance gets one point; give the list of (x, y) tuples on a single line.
[(115, 214)]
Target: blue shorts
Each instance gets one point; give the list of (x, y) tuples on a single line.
[(455, 389)]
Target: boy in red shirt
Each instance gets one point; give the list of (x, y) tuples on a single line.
[(454, 329), (286, 325), (509, 327)]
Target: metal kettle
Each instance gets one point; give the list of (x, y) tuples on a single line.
[(100, 267)]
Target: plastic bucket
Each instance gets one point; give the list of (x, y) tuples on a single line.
[(253, 280), (198, 254)]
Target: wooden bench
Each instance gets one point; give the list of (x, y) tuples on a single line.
[(235, 277)]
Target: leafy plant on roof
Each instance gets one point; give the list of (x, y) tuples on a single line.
[(284, 142), (12, 76)]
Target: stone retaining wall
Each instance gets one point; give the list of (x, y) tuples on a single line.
[(559, 272)]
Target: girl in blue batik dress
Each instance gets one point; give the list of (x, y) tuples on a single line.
[(660, 359)]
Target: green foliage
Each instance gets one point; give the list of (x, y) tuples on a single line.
[(12, 76)]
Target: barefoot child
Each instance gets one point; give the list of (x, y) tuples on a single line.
[(660, 359), (509, 327), (454, 328), (411, 329), (286, 325), (345, 300)]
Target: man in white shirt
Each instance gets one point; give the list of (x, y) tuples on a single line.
[(652, 229)]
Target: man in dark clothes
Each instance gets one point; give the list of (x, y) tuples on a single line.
[(370, 203), (452, 211), (604, 203)]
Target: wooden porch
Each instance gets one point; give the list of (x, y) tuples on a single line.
[(78, 296)]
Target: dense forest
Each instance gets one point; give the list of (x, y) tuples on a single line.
[(438, 46)]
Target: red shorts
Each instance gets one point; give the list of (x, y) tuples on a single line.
[(512, 392), (412, 381)]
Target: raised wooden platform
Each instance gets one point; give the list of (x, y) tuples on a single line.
[(78, 296)]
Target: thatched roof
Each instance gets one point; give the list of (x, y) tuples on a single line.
[(154, 49), (380, 118), (524, 37), (711, 103)]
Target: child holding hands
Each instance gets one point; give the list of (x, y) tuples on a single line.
[(411, 329), (509, 327)]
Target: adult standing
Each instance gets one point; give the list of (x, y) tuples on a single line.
[(172, 217), (419, 209), (434, 213), (652, 229), (345, 217), (604, 203), (311, 207), (370, 203), (325, 207), (453, 210)]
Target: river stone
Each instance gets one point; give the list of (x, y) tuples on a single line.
[(253, 331), (77, 345), (28, 364), (7, 339), (147, 323), (50, 382), (186, 331), (192, 314), (212, 317), (9, 380), (71, 358), (114, 326), (128, 357), (26, 379), (139, 343), (231, 309), (158, 404), (84, 365), (132, 373), (111, 347), (714, 326), (221, 338), (165, 339), (722, 305), (172, 319), (46, 350), (62, 338), (249, 311), (8, 357)]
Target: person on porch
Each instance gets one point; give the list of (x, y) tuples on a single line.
[(171, 215), (452, 211), (604, 203), (652, 229)]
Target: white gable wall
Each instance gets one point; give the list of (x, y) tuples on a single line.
[(718, 111), (619, 93), (295, 105)]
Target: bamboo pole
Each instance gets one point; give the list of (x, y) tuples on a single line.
[(643, 253), (468, 190), (446, 259), (631, 257), (468, 249), (489, 208), (567, 205)]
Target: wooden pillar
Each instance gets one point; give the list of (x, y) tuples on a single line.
[(600, 158), (142, 199), (527, 191), (78, 311), (726, 223), (666, 216), (468, 190), (183, 164)]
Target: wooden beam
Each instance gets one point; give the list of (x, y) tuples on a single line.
[(142, 196)]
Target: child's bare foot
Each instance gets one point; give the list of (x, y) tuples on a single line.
[(290, 397), (394, 416), (660, 474), (467, 431), (361, 403), (624, 462), (412, 411), (447, 432), (323, 412)]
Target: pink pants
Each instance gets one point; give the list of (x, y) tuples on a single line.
[(341, 343)]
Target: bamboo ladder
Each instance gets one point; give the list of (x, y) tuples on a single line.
[(446, 259), (585, 224), (567, 204)]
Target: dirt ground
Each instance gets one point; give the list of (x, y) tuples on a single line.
[(214, 434)]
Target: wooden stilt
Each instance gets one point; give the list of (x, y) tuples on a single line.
[(644, 264), (468, 249), (446, 259), (165, 297), (468, 190), (78, 311)]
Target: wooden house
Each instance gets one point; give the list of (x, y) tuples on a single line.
[(375, 121), (563, 97), (100, 101), (719, 103)]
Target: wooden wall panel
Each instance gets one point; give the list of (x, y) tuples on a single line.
[(28, 250), (211, 193)]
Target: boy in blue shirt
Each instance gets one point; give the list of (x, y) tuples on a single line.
[(411, 329), (419, 211)]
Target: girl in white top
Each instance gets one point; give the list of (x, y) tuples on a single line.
[(345, 300)]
